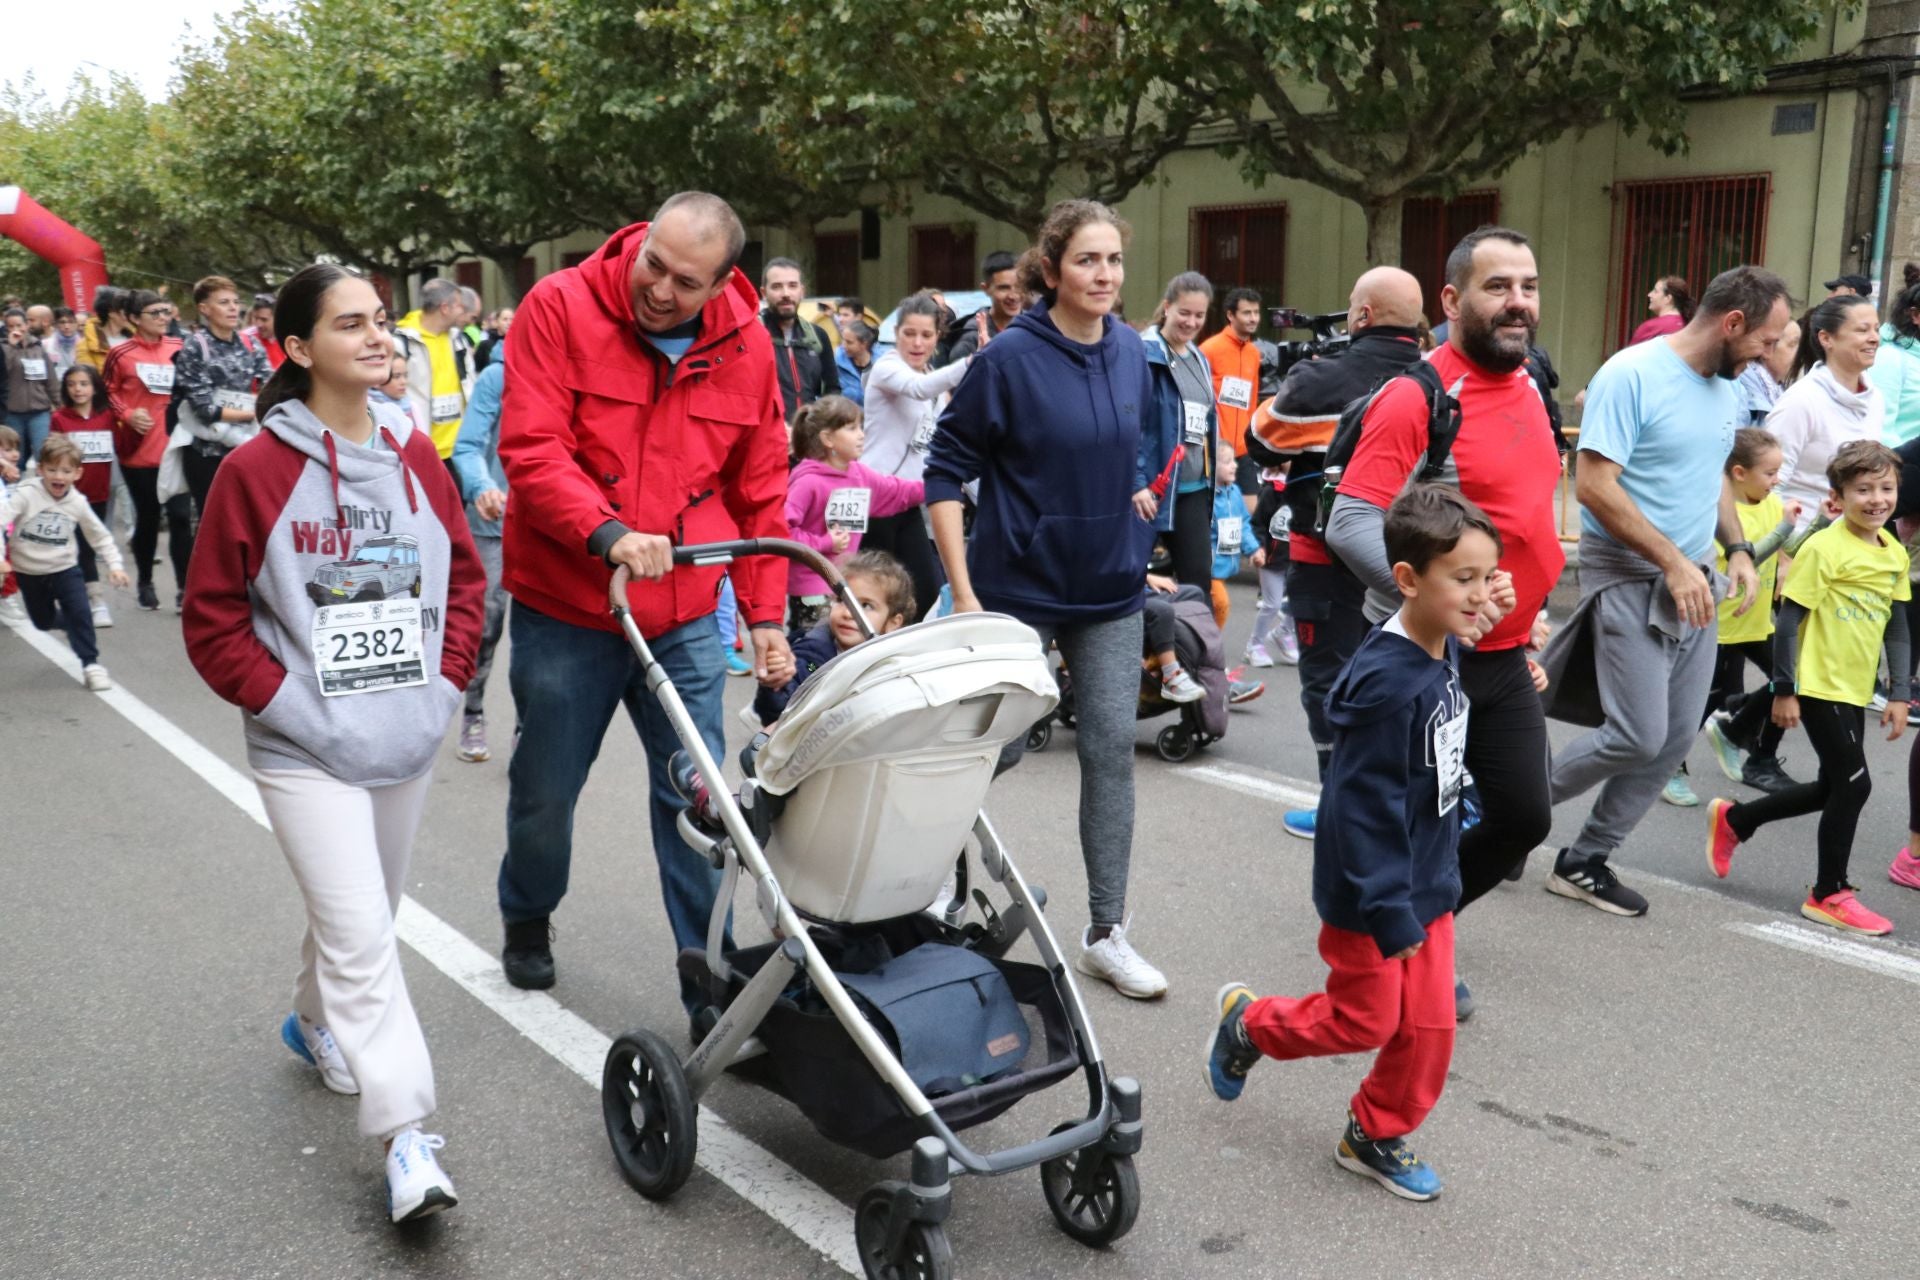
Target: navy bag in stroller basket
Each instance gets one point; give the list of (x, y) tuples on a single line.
[(884, 1008)]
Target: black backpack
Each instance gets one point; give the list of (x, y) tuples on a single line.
[(1443, 426)]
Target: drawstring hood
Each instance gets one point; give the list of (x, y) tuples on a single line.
[(333, 475), (406, 472)]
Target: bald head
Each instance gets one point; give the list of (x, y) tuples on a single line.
[(704, 218), (1385, 295)]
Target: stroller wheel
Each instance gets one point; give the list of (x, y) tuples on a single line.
[(651, 1118), (1174, 744), (924, 1251), (1095, 1196), (1040, 735)]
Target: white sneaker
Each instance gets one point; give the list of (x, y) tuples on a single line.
[(416, 1185), (1287, 641), (317, 1045), (98, 681), (101, 617), (1177, 686), (13, 609), (1113, 960), (1257, 655)]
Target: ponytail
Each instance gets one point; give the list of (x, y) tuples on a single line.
[(289, 382), (296, 313)]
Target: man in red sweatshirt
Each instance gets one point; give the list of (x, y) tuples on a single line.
[(643, 414)]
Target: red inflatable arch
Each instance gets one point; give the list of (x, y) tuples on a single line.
[(81, 263)]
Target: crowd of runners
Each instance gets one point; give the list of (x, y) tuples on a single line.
[(473, 474)]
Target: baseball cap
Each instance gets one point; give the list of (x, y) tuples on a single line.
[(1859, 284)]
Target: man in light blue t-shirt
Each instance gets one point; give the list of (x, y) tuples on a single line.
[(1654, 439)]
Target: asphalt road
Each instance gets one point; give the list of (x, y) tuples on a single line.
[(1709, 1091)]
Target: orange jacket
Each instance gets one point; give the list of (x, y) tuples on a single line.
[(1233, 357)]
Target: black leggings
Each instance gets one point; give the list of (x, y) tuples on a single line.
[(1507, 756), (1190, 545), (199, 469), (904, 537), (1752, 727), (1837, 731), (143, 483), (89, 569)]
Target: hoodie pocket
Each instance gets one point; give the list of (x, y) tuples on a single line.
[(1088, 560), (363, 739)]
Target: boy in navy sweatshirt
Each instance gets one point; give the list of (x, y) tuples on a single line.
[(1385, 860)]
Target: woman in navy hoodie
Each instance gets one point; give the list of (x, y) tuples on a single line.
[(1048, 420)]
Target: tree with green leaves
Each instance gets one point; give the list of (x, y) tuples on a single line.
[(1381, 100)]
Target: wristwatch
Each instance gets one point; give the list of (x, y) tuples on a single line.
[(1740, 546)]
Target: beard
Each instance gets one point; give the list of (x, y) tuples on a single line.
[(1488, 348), (1727, 367)]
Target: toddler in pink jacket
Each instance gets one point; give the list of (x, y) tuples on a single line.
[(831, 497)]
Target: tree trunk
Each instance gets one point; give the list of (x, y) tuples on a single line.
[(801, 246), (507, 263), (1383, 230)]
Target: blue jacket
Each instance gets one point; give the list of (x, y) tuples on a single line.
[(1385, 859), (476, 451), (1897, 373), (853, 380), (1168, 426), (1228, 503), (811, 652), (1051, 429)]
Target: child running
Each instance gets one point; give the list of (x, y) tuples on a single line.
[(1745, 740), (45, 512), (830, 499), (883, 589), (84, 418), (337, 598), (1386, 869), (1843, 603)]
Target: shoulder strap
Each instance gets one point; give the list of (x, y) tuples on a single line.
[(1443, 418)]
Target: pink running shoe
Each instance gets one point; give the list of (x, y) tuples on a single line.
[(1846, 913), (1721, 838), (1905, 870)]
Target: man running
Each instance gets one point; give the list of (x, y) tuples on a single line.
[(642, 414), (1659, 421)]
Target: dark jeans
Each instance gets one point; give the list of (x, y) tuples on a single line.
[(1507, 756), (1751, 725), (1325, 602), (1191, 543), (199, 468), (904, 537), (566, 682), (88, 568), (143, 483), (58, 602), (1837, 731)]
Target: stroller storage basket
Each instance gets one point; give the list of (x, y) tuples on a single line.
[(813, 1063)]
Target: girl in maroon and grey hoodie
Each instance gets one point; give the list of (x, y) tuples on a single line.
[(336, 597)]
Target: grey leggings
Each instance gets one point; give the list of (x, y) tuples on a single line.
[(1104, 658)]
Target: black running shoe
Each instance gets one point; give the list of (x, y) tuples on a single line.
[(1388, 1162), (1767, 774), (149, 598), (527, 959), (1595, 885)]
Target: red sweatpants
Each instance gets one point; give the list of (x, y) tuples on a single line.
[(1403, 1008)]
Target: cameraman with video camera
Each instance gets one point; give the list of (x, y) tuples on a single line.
[(1295, 428)]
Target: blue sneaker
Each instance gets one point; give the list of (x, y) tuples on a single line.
[(1726, 752), (315, 1046), (1469, 809), (1462, 1002), (1299, 822), (737, 664), (1388, 1162), (1230, 1054)]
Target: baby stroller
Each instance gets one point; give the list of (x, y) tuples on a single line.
[(1197, 642), (890, 1019)]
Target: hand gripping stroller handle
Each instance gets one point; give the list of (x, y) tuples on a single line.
[(708, 553)]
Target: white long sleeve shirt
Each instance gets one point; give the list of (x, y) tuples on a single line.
[(1812, 419), (44, 527), (901, 409)]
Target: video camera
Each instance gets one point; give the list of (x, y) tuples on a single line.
[(1325, 341)]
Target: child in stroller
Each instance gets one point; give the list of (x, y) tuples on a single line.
[(881, 586)]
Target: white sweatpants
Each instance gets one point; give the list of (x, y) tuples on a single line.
[(349, 848)]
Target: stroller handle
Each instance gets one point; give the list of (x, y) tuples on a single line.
[(708, 553)]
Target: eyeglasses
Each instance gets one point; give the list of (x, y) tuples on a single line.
[(157, 311)]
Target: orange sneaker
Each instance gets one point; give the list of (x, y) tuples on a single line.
[(1845, 912), (1721, 839)]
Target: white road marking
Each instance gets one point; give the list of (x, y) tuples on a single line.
[(817, 1217), (1829, 946), (1300, 794)]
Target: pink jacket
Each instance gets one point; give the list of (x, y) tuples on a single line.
[(808, 489)]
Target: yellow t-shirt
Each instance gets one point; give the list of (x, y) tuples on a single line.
[(1757, 520), (1849, 588), (448, 397)]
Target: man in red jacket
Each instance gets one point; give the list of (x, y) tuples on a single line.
[(643, 413)]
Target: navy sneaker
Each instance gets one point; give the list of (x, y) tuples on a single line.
[(1230, 1054), (1299, 822), (1388, 1162), (1462, 1002)]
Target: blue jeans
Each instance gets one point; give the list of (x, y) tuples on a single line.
[(566, 682), (33, 429), (726, 617), (58, 602)]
